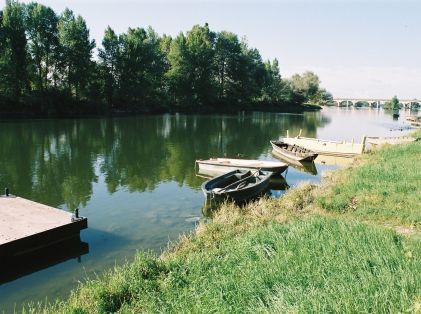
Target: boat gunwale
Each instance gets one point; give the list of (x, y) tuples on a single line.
[(228, 193), (350, 145), (276, 167), (321, 140), (309, 155)]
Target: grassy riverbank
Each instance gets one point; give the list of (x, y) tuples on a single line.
[(350, 245)]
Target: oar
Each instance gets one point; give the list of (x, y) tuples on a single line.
[(237, 182)]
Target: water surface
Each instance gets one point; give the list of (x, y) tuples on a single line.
[(134, 177)]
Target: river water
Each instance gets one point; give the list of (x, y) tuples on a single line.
[(135, 178)]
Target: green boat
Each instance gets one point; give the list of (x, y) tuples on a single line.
[(238, 186)]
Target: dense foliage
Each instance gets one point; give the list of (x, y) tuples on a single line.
[(47, 66), (392, 104)]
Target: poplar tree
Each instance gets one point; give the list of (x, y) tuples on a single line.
[(13, 50), (77, 49), (192, 67), (43, 43), (109, 56), (228, 56)]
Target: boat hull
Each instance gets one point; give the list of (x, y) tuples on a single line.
[(224, 165), (302, 155), (324, 147), (215, 192), (305, 166)]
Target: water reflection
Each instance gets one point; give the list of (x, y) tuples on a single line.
[(19, 266), (278, 183), (305, 166), (334, 160), (56, 162)]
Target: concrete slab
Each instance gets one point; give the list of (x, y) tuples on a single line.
[(27, 225)]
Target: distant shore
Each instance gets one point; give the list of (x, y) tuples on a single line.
[(93, 110)]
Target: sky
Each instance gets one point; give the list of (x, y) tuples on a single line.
[(359, 49)]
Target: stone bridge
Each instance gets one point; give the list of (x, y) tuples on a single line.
[(375, 102)]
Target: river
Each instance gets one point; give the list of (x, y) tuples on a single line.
[(135, 180)]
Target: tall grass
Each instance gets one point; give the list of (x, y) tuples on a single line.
[(384, 186), (306, 265)]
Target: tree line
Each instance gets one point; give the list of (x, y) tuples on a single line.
[(48, 67)]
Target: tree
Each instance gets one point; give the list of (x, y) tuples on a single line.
[(192, 67), (228, 56), (139, 70), (3, 58), (304, 87), (142, 67), (275, 91), (252, 73), (14, 58), (109, 57), (393, 104), (76, 51), (43, 42)]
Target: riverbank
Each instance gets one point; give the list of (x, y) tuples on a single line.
[(73, 109), (351, 244)]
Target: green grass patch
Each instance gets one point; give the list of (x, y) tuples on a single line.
[(306, 265), (385, 186), (417, 134)]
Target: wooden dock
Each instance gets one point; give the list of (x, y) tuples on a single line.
[(27, 226)]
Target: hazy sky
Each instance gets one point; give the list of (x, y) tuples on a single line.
[(358, 48)]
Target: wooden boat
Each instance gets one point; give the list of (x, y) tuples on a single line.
[(276, 182), (414, 121), (293, 151), (326, 147), (413, 118), (224, 165), (237, 185), (378, 141)]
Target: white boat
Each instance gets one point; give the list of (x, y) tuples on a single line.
[(224, 165), (327, 147), (415, 121), (378, 141), (413, 118)]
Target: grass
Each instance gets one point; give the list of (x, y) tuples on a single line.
[(385, 186), (317, 249), (315, 264)]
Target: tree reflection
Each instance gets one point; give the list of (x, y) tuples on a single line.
[(56, 162)]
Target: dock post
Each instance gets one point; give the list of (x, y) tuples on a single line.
[(363, 144), (6, 192)]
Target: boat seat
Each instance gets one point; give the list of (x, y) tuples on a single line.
[(243, 175)]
